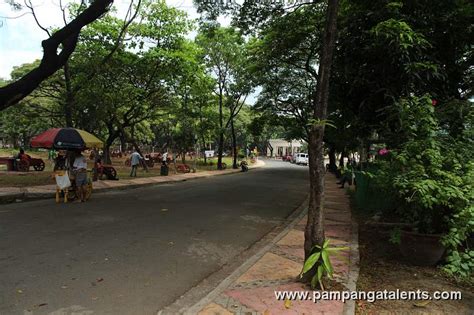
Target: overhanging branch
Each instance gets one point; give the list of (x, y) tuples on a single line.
[(52, 61)]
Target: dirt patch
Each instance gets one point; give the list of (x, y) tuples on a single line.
[(381, 268)]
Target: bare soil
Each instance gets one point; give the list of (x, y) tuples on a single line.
[(382, 268)]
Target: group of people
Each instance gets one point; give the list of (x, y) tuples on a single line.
[(76, 162)]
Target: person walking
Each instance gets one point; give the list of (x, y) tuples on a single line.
[(135, 161)]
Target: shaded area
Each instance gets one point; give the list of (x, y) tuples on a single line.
[(381, 269), (136, 251)]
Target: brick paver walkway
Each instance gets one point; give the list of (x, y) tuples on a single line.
[(253, 291)]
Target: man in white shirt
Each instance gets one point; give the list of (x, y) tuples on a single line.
[(80, 169)]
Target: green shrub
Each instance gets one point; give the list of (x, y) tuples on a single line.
[(434, 183)]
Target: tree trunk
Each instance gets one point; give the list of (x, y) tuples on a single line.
[(204, 146), (341, 159), (220, 150), (113, 134), (123, 143), (314, 231), (107, 159), (56, 51), (221, 132), (68, 106), (234, 145)]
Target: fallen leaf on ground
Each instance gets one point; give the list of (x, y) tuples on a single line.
[(422, 303), (287, 304)]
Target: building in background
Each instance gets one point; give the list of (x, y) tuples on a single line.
[(282, 147)]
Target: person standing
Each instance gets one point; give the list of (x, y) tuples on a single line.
[(164, 158), (135, 161), (80, 169)]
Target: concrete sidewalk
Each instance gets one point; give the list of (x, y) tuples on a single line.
[(251, 288), (12, 194)]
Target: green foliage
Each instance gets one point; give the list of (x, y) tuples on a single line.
[(20, 122), (284, 62), (320, 260), (398, 34), (395, 236), (320, 122), (460, 260), (420, 174), (432, 174)]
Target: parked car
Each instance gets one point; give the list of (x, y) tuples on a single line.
[(301, 158)]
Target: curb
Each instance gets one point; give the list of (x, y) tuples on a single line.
[(349, 305), (295, 217), (11, 198), (27, 196)]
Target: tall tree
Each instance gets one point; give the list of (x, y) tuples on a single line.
[(314, 230), (223, 53)]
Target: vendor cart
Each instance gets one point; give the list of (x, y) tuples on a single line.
[(71, 140)]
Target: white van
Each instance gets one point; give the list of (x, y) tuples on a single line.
[(301, 158)]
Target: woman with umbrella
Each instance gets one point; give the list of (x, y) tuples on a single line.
[(74, 141)]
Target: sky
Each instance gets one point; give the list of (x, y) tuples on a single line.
[(20, 37)]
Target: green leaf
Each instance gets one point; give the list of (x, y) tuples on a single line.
[(327, 262), (314, 280), (320, 272), (335, 249), (309, 263), (326, 243)]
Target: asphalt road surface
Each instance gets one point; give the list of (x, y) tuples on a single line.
[(136, 251)]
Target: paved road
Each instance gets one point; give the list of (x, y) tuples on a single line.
[(136, 251)]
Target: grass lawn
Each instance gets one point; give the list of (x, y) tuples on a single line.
[(34, 178), (30, 179)]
